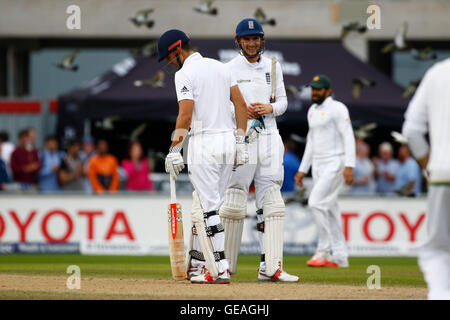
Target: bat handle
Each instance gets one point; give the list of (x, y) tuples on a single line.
[(272, 99), (173, 191)]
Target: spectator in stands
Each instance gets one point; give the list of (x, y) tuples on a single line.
[(71, 172), (31, 143), (51, 161), (87, 152), (385, 168), (25, 163), (4, 177), (363, 183), (7, 149), (408, 180), (291, 163), (103, 170), (137, 169)]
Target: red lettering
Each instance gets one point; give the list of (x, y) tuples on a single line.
[(90, 216), (412, 228), (119, 216), (346, 223), (22, 226), (47, 234), (2, 226), (389, 221)]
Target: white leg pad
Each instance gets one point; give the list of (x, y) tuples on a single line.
[(205, 242), (232, 214), (273, 212)]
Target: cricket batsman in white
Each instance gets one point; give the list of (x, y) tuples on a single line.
[(330, 149), (204, 89), (429, 112), (257, 77)]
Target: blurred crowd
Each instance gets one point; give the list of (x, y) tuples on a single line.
[(87, 166), (382, 174), (84, 166)]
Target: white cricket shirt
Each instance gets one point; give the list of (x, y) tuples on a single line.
[(255, 84), (429, 111), (330, 134), (207, 82)]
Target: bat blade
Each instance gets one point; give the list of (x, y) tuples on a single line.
[(175, 234), (176, 242)]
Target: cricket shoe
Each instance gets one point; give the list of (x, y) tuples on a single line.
[(222, 278), (280, 275), (318, 260), (337, 263), (195, 271)]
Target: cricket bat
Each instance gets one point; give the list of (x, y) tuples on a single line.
[(176, 239), (273, 77)]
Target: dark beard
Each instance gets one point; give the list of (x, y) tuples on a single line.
[(319, 100)]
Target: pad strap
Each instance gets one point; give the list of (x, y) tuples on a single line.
[(260, 225), (210, 231), (218, 255), (206, 215)]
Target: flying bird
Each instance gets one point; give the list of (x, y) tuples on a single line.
[(365, 131), (141, 18), (156, 82), (107, 123), (262, 18), (399, 42), (205, 7), (358, 84), (301, 93), (352, 27), (412, 87), (398, 137), (149, 50), (137, 132), (67, 62), (424, 54)]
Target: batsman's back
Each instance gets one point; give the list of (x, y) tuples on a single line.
[(208, 82)]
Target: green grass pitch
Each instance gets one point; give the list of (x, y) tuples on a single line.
[(395, 271)]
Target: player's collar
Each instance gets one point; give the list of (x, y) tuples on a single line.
[(193, 57), (255, 65)]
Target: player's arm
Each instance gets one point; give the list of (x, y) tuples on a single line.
[(345, 129), (174, 160), (185, 111), (416, 126), (305, 164), (240, 109)]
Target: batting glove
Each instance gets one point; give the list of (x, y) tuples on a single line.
[(255, 130), (174, 162), (241, 151)]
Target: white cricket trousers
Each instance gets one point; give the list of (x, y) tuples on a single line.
[(265, 168), (434, 256), (328, 179), (210, 162)]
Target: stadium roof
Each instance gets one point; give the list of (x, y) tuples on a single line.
[(115, 94)]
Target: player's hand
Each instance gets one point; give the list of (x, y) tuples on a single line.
[(251, 113), (261, 108), (241, 151), (348, 175), (299, 178), (174, 163)]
